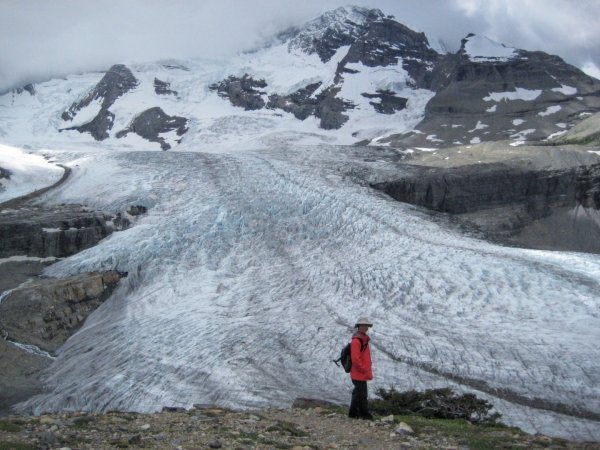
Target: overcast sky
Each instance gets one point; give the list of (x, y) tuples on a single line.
[(40, 39)]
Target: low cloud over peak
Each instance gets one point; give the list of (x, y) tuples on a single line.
[(42, 39)]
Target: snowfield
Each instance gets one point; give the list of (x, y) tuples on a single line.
[(248, 271), (27, 172)]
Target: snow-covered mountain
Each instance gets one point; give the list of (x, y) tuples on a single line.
[(259, 251), (351, 75)]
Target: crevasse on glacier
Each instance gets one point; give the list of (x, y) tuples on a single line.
[(250, 268)]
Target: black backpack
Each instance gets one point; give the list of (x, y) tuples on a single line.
[(346, 356)]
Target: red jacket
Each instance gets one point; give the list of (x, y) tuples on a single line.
[(361, 361)]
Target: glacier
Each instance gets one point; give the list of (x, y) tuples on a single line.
[(247, 273)]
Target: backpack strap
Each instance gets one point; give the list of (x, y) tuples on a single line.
[(363, 344)]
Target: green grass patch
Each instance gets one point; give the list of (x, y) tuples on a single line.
[(476, 437), (334, 409), (9, 426)]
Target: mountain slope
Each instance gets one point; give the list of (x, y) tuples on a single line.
[(351, 75)]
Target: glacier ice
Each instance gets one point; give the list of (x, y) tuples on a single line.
[(249, 269)]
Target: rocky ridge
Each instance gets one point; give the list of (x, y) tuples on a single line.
[(117, 81), (318, 427), (540, 197)]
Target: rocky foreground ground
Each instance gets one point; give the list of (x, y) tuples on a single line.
[(295, 428)]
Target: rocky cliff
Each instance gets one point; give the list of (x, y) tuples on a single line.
[(59, 231), (521, 94), (44, 312), (533, 196)]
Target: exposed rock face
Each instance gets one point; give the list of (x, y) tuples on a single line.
[(16, 271), (383, 42), (521, 198), (152, 123), (525, 94), (19, 375), (375, 40), (484, 186), (99, 126), (46, 312), (4, 173), (515, 94), (59, 232), (388, 103), (299, 103), (42, 313), (326, 105), (27, 88), (115, 83), (242, 91), (163, 88), (330, 109), (330, 31)]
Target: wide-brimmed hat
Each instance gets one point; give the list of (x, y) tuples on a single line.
[(364, 321)]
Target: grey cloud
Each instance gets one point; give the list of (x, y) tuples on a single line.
[(40, 39)]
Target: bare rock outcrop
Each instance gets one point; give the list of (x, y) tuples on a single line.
[(163, 88), (36, 318), (154, 122), (46, 311), (117, 81), (541, 197), (58, 231), (242, 91)]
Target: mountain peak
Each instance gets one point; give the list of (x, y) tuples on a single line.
[(333, 29)]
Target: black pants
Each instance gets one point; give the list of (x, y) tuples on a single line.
[(359, 406)]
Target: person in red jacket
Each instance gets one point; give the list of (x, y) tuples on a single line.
[(361, 370)]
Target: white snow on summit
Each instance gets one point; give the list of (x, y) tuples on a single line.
[(481, 48), (343, 20)]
